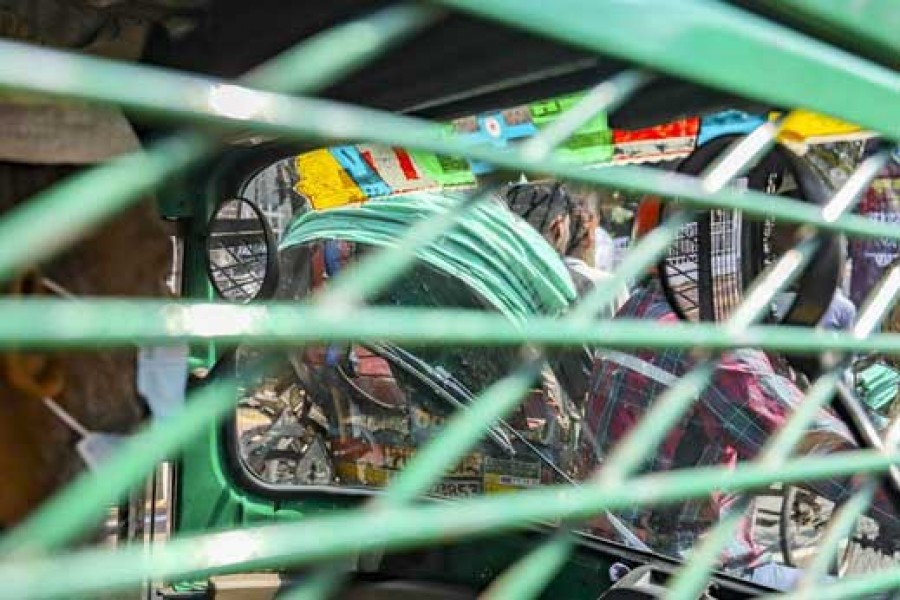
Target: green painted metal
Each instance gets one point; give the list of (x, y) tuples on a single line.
[(325, 537), (279, 325), (840, 529), (871, 25), (677, 37), (82, 504), (51, 220), (188, 98)]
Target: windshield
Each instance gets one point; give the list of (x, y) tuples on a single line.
[(352, 415)]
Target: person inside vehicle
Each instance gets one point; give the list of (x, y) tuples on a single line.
[(569, 225), (841, 313), (752, 394)]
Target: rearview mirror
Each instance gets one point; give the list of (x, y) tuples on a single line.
[(241, 252)]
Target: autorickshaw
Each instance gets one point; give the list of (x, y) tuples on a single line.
[(438, 81)]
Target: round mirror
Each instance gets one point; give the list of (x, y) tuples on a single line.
[(241, 253), (718, 254)]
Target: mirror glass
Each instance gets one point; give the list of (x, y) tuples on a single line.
[(272, 189), (240, 252)]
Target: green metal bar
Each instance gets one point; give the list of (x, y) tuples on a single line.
[(690, 579), (854, 586), (677, 35), (53, 219), (519, 581), (200, 99), (872, 24), (103, 324), (330, 536), (416, 333), (82, 504), (604, 97), (842, 525), (464, 431)]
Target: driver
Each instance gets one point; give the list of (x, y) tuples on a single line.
[(569, 225), (751, 396)]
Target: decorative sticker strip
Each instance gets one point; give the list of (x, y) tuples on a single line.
[(448, 171), (361, 171), (591, 144), (803, 126), (321, 179), (359, 463), (497, 129), (508, 475), (668, 141), (397, 169), (727, 122)]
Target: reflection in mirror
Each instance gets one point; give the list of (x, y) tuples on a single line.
[(703, 266), (281, 431), (240, 251), (272, 190)]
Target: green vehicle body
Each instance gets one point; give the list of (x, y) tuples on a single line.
[(847, 55)]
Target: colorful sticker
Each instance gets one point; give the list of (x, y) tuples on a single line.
[(321, 179), (806, 126), (358, 462), (448, 171), (451, 487), (727, 122), (668, 141), (362, 173), (506, 474), (497, 129), (591, 144), (396, 168)]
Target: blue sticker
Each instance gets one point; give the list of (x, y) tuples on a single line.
[(495, 129), (727, 122), (371, 184)]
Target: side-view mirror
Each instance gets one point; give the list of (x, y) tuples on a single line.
[(242, 258)]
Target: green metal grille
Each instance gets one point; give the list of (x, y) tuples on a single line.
[(678, 37)]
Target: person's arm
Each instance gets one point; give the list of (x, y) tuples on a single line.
[(749, 403)]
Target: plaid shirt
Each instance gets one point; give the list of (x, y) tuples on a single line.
[(750, 397)]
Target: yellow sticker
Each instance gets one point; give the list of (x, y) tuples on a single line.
[(324, 181), (801, 125)]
